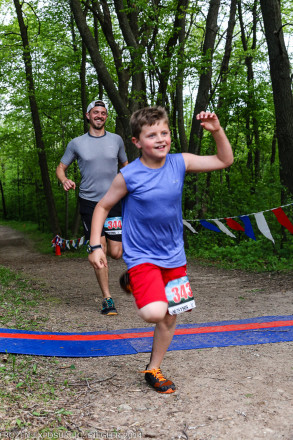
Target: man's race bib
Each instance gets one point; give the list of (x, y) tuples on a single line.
[(179, 295), (113, 225)]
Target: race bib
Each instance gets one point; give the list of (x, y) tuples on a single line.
[(179, 295), (113, 225)]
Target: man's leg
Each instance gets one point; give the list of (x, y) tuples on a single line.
[(114, 249), (86, 211), (102, 275)]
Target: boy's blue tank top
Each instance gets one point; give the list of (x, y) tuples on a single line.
[(152, 229)]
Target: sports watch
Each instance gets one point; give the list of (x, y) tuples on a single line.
[(91, 249)]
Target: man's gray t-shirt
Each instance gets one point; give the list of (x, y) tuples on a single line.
[(97, 159)]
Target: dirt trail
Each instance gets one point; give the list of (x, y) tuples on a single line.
[(228, 393)]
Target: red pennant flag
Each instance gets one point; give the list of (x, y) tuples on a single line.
[(234, 225), (283, 219), (54, 239)]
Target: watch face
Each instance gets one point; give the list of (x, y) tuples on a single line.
[(90, 248)]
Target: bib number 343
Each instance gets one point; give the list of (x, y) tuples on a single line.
[(179, 295)]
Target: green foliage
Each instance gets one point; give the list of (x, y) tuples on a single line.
[(251, 184), (262, 255)]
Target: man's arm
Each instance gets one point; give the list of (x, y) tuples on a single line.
[(224, 156), (60, 173), (115, 193)]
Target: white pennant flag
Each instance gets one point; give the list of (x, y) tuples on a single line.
[(263, 226), (188, 225), (81, 241), (223, 228)]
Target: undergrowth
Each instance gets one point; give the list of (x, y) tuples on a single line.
[(240, 253)]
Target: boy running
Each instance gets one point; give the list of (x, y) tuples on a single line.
[(153, 249)]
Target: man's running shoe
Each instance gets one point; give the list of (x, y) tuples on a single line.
[(125, 282), (108, 307), (156, 379)]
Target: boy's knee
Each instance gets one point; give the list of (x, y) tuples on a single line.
[(154, 312)]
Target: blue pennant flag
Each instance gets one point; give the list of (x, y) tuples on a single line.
[(248, 226), (209, 225)]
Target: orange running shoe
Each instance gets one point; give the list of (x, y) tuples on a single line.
[(160, 384)]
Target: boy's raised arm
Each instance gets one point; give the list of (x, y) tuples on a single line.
[(224, 156)]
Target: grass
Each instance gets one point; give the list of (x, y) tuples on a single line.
[(34, 396), (18, 302), (36, 393), (42, 241)]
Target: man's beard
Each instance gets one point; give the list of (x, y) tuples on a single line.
[(98, 124)]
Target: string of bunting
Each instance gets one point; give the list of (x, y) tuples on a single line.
[(217, 226), (246, 226), (69, 244)]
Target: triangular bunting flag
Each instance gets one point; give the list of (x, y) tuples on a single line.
[(283, 219), (188, 225), (234, 225), (81, 241), (248, 226), (223, 228), (209, 225), (263, 226)]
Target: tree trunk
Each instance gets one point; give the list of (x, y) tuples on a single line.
[(202, 98), (253, 154), (281, 83), (179, 25), (226, 59), (179, 84), (204, 88), (55, 228), (3, 200), (104, 75)]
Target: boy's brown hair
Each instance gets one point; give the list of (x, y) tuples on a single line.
[(147, 116)]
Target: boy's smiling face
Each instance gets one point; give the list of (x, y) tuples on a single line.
[(155, 142)]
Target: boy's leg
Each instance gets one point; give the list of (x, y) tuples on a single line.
[(163, 334), (148, 288)]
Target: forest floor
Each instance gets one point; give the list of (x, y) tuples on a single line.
[(223, 393)]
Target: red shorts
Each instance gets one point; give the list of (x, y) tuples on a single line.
[(148, 282)]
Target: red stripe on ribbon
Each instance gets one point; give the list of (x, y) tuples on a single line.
[(185, 331)]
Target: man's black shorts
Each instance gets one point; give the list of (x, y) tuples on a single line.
[(86, 209)]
